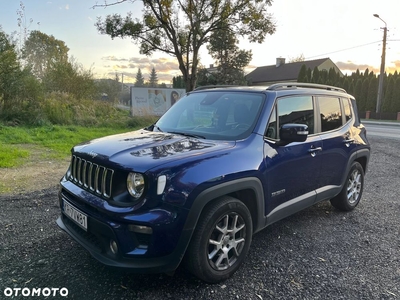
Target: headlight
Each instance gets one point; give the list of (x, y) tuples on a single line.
[(135, 184)]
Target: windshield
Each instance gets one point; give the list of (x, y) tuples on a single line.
[(218, 115)]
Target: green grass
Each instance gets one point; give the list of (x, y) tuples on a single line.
[(11, 156), (59, 139)]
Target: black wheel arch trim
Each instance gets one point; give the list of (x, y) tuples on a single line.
[(362, 153), (226, 188)]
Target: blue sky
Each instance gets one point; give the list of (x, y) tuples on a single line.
[(343, 30)]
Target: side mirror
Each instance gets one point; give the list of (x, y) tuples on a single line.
[(290, 133)]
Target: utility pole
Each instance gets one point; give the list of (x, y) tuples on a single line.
[(382, 71)]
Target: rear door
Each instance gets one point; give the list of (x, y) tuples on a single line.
[(337, 139)]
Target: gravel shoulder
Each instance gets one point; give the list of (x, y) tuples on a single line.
[(317, 253), (40, 171)]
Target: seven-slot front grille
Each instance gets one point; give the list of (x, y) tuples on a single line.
[(91, 176)]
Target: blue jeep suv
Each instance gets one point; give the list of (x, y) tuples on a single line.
[(220, 165)]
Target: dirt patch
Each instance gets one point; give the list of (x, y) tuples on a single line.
[(40, 171)]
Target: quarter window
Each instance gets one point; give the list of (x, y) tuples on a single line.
[(330, 113), (347, 110)]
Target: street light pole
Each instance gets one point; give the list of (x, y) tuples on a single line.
[(382, 71)]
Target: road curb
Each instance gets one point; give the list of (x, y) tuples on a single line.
[(380, 123)]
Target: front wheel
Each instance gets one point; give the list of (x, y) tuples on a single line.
[(352, 190), (220, 241)]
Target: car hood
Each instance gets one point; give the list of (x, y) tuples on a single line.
[(142, 150)]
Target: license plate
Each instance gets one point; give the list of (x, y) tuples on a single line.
[(75, 215)]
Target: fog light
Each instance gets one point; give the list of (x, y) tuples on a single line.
[(113, 247), (140, 229)]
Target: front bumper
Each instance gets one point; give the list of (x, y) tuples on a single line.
[(104, 255), (160, 251)]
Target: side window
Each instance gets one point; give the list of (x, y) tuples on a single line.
[(347, 110), (297, 109), (330, 113)]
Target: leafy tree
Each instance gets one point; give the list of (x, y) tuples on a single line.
[(351, 87), (9, 70), (323, 77), (387, 104), (109, 89), (139, 79), (332, 76), (153, 79), (396, 95), (178, 83), (309, 75), (18, 88), (315, 75), (70, 77), (346, 84), (229, 58), (205, 77), (302, 74), (362, 103), (372, 94), (181, 28), (357, 89), (41, 51)]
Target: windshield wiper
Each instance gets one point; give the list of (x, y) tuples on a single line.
[(188, 134)]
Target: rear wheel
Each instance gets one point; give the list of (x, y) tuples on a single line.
[(352, 190), (221, 240)]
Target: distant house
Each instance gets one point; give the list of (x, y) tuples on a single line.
[(284, 72)]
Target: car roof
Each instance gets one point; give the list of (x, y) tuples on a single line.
[(274, 87), (280, 88)]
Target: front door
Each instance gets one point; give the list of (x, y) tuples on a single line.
[(291, 171)]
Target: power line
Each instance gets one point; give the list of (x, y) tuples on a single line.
[(344, 49)]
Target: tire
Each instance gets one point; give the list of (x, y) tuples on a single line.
[(220, 241), (352, 190)]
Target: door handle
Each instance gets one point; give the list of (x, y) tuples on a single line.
[(313, 151), (348, 141)]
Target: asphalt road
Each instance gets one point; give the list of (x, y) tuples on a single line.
[(319, 253), (383, 130)]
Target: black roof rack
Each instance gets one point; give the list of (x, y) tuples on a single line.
[(206, 87), (284, 85)]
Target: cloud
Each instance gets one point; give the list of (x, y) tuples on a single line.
[(166, 68), (113, 58), (349, 67), (390, 69), (352, 67), (120, 67), (66, 7)]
